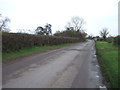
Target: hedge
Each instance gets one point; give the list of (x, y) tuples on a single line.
[(110, 39), (17, 41), (116, 40)]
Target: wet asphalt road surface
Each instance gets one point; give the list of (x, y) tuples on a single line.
[(73, 66)]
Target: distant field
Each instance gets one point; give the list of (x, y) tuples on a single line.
[(108, 59), (27, 51)]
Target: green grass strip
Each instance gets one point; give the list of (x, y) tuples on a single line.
[(27, 51), (108, 59)]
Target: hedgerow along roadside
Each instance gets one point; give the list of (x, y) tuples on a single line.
[(16, 44), (12, 42), (108, 59)]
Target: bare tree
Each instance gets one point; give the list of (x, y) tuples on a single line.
[(4, 23), (77, 23), (104, 33)]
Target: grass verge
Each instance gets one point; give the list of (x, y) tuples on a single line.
[(108, 59), (28, 51)]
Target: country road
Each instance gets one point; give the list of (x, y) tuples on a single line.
[(73, 66)]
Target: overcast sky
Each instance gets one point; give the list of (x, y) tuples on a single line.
[(28, 14)]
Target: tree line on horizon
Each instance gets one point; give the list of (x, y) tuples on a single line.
[(74, 28)]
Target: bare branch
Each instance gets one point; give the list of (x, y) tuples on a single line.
[(104, 33), (77, 23)]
